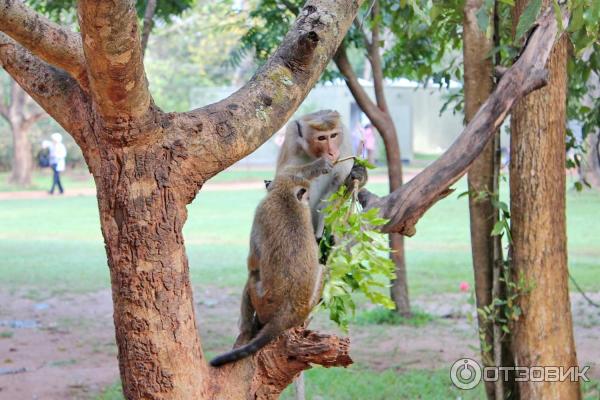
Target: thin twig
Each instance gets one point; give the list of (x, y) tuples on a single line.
[(367, 14), (344, 159), (582, 292)]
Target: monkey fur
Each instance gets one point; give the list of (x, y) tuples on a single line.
[(315, 135), (285, 278)]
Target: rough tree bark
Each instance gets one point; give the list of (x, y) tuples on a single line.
[(543, 336), (379, 114), (478, 85), (20, 121), (148, 165)]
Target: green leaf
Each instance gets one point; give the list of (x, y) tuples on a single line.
[(498, 228), (558, 15), (528, 17)]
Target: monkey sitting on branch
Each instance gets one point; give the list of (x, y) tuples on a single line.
[(285, 278)]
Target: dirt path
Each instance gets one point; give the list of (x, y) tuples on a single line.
[(63, 348), (209, 186)]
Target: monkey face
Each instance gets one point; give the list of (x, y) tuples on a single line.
[(326, 144)]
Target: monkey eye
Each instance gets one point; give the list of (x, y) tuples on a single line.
[(300, 193), (321, 138), (333, 135)]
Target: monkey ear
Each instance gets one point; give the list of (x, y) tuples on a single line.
[(268, 184), (300, 193), (298, 128)]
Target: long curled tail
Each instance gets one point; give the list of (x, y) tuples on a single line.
[(264, 336)]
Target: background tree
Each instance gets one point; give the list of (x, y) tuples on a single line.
[(482, 176), (14, 108), (543, 335)]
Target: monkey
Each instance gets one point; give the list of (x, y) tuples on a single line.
[(285, 278), (316, 135)]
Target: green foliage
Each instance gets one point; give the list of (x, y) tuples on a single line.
[(385, 316), (527, 18), (194, 51), (358, 261), (165, 9)]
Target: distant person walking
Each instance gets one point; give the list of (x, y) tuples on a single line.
[(369, 143), (58, 152)]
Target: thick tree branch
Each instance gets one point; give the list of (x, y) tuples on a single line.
[(49, 41), (113, 53), (274, 367), (222, 133), (148, 24), (406, 205), (53, 89)]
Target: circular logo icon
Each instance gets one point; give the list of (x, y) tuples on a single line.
[(465, 373)]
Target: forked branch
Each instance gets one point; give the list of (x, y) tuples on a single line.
[(53, 89), (49, 41), (407, 204), (275, 366)]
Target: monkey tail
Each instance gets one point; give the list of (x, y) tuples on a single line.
[(264, 336)]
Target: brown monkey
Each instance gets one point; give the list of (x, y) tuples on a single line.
[(284, 275), (316, 135)]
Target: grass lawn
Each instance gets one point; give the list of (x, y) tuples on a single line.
[(54, 245)]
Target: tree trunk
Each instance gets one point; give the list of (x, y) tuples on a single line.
[(399, 289), (22, 160), (478, 85), (142, 214), (543, 335)]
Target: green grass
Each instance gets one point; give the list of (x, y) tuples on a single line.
[(356, 383), (54, 245), (42, 180), (383, 316)]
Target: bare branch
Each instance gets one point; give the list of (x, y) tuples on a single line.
[(275, 366), (375, 115), (112, 49), (224, 132), (49, 41), (406, 205), (53, 89), (361, 29), (375, 60), (29, 121), (148, 24)]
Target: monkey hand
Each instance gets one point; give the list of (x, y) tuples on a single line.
[(322, 166), (359, 173)]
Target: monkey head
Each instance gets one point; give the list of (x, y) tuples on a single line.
[(320, 134)]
